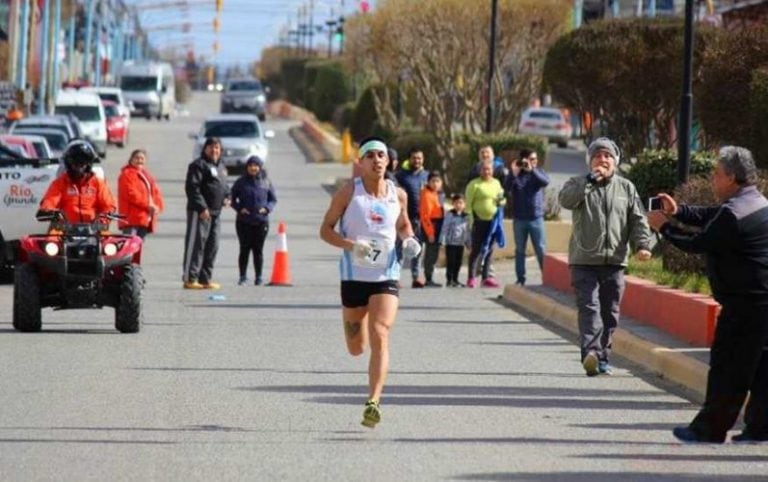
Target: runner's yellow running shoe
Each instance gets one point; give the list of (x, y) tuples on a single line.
[(371, 414)]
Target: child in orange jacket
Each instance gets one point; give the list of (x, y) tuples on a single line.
[(431, 216)]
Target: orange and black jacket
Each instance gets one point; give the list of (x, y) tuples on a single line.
[(80, 201), (136, 190), (430, 213)]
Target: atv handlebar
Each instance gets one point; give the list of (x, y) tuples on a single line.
[(45, 215)]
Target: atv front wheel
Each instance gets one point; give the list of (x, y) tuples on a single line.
[(128, 314), (27, 315)]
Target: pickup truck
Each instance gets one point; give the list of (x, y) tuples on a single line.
[(23, 183)]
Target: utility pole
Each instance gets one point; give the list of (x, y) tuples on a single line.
[(56, 35), (45, 36), (686, 101), (491, 65), (88, 39), (23, 49), (71, 48)]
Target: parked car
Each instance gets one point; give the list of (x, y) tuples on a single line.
[(241, 137), (57, 140), (117, 125), (19, 144), (86, 106), (42, 149), (547, 122), (244, 95), (60, 123)]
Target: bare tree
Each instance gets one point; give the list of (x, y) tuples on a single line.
[(439, 49)]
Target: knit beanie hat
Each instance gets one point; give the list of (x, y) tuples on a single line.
[(603, 144)]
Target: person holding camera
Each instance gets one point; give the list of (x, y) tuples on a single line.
[(734, 239), (525, 187), (607, 218)]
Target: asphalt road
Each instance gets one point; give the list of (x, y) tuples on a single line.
[(259, 387)]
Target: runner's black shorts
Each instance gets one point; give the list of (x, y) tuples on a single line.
[(355, 294)]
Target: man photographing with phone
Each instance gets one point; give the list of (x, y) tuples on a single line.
[(734, 240), (525, 187)]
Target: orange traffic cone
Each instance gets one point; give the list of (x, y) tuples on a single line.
[(281, 272)]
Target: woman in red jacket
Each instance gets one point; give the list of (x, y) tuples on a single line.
[(138, 196)]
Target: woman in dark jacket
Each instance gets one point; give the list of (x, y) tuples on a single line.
[(253, 198)]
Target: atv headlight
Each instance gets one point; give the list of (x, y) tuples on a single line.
[(51, 249), (110, 249)]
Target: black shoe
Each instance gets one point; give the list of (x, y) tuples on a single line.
[(243, 281), (417, 284), (749, 437), (688, 435), (432, 284), (257, 282)]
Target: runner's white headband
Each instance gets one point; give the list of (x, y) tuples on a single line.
[(373, 145)]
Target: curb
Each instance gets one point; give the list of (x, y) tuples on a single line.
[(667, 363), (313, 151)]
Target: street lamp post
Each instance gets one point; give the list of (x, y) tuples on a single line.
[(686, 101), (491, 65), (43, 98)]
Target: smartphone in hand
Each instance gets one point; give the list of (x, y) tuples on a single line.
[(654, 203)]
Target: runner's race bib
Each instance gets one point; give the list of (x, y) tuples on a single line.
[(378, 256)]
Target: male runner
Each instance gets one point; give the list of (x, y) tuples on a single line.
[(373, 212)]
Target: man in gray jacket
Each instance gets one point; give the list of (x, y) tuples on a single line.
[(607, 217)]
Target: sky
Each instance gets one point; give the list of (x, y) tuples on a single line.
[(247, 26)]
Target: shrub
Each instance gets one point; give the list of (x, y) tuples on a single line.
[(655, 171), (759, 108), (330, 88), (364, 117), (293, 79), (731, 82)]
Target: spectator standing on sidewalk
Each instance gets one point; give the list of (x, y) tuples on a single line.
[(454, 236), (607, 217), (525, 187), (484, 196), (734, 238), (412, 181), (253, 199), (207, 193), (139, 198), (431, 216)]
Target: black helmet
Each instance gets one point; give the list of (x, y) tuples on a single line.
[(79, 158)]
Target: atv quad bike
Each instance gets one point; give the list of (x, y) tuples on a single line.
[(78, 266)]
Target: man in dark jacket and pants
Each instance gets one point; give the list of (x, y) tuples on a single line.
[(734, 240), (525, 188), (412, 180), (207, 193)]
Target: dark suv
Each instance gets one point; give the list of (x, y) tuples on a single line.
[(244, 95)]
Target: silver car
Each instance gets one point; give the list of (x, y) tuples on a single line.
[(242, 136), (244, 95)]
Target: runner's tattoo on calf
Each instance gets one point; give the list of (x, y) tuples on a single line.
[(352, 328)]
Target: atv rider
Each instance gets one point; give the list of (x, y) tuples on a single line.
[(77, 192)]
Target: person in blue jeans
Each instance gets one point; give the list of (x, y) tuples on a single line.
[(525, 187)]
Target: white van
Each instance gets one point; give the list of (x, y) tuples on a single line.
[(150, 87), (86, 106)]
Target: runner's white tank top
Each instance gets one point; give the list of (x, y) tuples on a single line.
[(373, 219)]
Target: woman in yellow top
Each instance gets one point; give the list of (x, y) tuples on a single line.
[(484, 196), (431, 217)]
